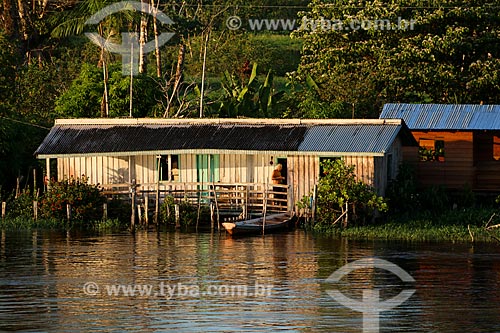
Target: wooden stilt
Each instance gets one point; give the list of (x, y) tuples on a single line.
[(146, 210), (177, 216), (157, 198), (132, 213), (264, 211), (212, 215)]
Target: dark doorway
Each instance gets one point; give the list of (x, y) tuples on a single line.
[(282, 161)]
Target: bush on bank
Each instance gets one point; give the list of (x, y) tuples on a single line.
[(86, 203)]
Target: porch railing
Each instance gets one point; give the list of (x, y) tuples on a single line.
[(237, 197)]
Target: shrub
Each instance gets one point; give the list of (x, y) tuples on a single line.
[(85, 199), (339, 186), (188, 213), (22, 206)]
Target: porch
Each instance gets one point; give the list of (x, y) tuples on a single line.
[(227, 200)]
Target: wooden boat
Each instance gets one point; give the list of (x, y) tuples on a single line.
[(274, 222)]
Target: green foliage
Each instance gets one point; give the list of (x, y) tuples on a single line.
[(85, 199), (249, 98), (339, 186), (188, 212), (22, 206), (451, 56), (402, 193), (434, 199), (83, 98)]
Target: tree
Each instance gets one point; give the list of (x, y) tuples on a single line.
[(451, 53)]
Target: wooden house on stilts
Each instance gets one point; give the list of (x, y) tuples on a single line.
[(178, 154)]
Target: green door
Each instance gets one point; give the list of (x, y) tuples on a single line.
[(208, 168)]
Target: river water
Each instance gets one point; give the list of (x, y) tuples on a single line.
[(202, 282)]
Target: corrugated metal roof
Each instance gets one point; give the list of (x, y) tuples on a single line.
[(350, 138), (104, 138), (445, 116)]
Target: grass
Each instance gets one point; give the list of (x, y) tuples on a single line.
[(23, 223), (452, 226)]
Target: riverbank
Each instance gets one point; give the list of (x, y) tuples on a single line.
[(466, 225), (22, 223)]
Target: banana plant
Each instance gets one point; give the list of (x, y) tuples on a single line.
[(248, 99)]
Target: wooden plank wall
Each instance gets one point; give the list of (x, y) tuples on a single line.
[(302, 171), (302, 175), (458, 166), (98, 169), (363, 167)]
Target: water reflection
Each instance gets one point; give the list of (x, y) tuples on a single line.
[(42, 275)]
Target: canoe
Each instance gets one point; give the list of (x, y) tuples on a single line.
[(274, 222)]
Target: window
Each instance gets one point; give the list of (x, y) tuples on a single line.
[(169, 167), (431, 150), (496, 147)]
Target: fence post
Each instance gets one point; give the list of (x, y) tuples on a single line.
[(132, 213), (313, 208), (177, 216), (68, 212), (146, 210), (35, 210), (105, 211)]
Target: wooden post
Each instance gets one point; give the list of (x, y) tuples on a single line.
[(264, 210), (4, 210), (68, 212), (157, 203), (132, 213), (18, 187), (105, 211), (216, 205), (245, 215), (139, 213), (35, 210), (146, 210), (47, 166), (34, 180), (313, 208), (212, 215), (177, 216), (346, 214)]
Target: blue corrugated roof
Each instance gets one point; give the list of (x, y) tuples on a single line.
[(445, 116), (350, 138)]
